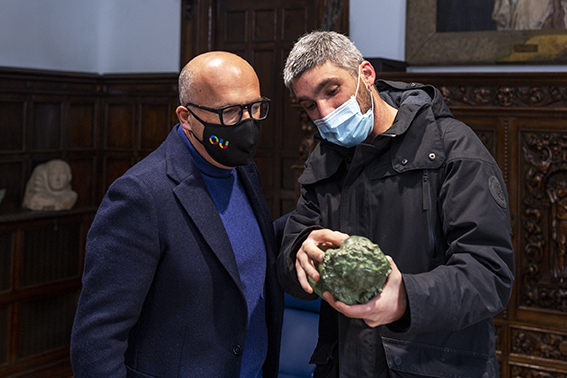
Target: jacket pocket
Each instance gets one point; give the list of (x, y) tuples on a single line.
[(408, 359), (131, 373), (326, 360)]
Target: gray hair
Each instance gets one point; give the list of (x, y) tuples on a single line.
[(316, 48), (185, 85)]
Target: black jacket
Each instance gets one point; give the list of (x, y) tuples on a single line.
[(432, 197)]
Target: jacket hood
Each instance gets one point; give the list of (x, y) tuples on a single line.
[(398, 93), (415, 102)]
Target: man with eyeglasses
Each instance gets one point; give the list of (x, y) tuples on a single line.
[(180, 276)]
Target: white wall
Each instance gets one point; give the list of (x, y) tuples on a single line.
[(139, 36), (99, 36), (49, 34), (377, 27)]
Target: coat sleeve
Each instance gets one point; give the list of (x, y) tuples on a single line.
[(476, 279), (122, 254)]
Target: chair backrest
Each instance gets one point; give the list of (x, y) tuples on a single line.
[(299, 337)]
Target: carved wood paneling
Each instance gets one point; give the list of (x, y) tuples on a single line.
[(543, 273), (543, 344), (530, 371), (506, 96)]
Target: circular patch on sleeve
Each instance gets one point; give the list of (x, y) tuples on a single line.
[(497, 191)]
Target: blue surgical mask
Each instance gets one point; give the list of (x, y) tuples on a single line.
[(346, 125)]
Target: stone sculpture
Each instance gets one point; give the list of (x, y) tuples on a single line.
[(49, 187)]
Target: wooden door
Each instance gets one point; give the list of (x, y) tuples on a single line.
[(263, 33)]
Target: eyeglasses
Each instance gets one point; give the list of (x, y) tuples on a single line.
[(232, 114)]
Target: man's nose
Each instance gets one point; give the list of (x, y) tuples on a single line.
[(325, 109), (246, 113)]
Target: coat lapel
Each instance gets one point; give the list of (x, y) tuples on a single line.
[(194, 197)]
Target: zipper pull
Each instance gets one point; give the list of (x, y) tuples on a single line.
[(425, 190)]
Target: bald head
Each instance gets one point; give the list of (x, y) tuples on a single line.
[(210, 76)]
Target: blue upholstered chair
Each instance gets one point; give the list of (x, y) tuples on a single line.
[(299, 337)]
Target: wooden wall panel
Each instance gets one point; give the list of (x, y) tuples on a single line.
[(45, 132), (52, 330), (156, 120), (235, 26), (532, 371), (5, 262), (264, 25), (119, 126), (4, 330), (13, 181), (84, 170), (266, 58), (12, 114), (82, 125), (295, 22), (114, 167), (49, 254), (100, 125), (139, 113)]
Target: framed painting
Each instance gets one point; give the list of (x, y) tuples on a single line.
[(476, 32)]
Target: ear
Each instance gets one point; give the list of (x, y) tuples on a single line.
[(367, 73), (183, 117)]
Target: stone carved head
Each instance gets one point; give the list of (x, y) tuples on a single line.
[(49, 187)]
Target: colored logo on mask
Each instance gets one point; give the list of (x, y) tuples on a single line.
[(215, 140)]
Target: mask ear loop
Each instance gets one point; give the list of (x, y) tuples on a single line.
[(371, 97), (369, 88), (357, 82)]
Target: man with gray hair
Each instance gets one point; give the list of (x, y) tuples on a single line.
[(393, 165)]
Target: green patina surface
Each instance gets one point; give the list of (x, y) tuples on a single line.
[(353, 273)]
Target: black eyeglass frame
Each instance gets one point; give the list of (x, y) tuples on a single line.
[(221, 110)]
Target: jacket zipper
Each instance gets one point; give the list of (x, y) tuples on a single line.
[(425, 190), (426, 198)]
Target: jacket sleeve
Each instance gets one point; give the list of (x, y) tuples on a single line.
[(299, 224), (476, 279), (122, 254)]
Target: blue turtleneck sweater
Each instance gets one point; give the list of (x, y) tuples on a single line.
[(249, 250)]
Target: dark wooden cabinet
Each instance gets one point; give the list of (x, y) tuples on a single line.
[(41, 261)]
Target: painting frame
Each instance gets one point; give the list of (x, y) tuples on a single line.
[(427, 47)]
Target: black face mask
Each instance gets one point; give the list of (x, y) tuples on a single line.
[(231, 145)]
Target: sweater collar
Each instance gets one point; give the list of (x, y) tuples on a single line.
[(204, 166)]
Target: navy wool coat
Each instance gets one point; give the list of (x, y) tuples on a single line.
[(162, 295)]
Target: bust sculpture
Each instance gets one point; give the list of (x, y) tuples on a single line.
[(49, 187)]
